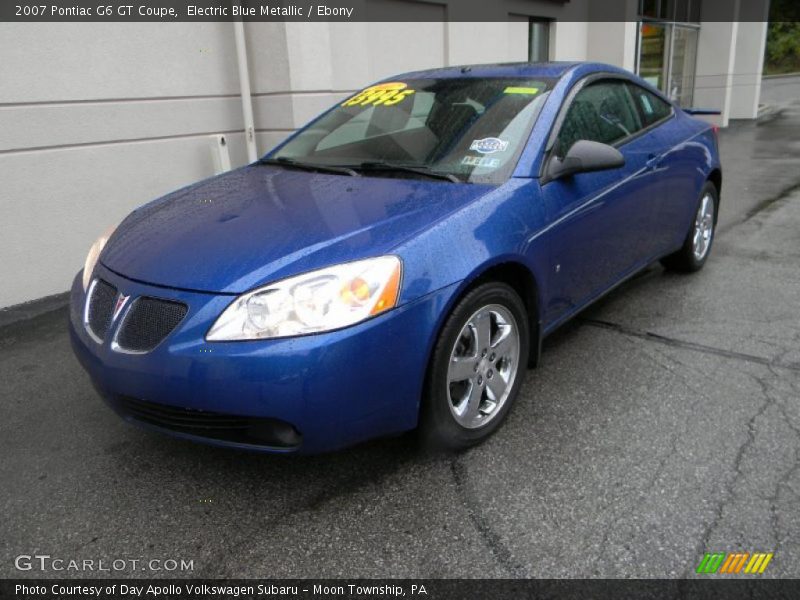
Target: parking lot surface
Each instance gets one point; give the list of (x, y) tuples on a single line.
[(663, 423)]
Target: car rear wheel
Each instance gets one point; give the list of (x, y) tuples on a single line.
[(476, 369), (697, 245)]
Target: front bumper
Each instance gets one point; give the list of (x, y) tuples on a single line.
[(334, 389)]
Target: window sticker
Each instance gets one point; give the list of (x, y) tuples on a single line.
[(480, 161), (383, 94), (489, 145), (648, 108), (528, 91)]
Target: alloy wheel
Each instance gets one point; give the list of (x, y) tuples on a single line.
[(483, 367), (703, 227)]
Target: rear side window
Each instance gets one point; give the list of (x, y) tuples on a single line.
[(603, 111), (651, 107)]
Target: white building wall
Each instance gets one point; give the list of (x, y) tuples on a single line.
[(716, 53), (517, 36), (730, 59), (612, 43), (747, 70), (96, 120), (568, 40)]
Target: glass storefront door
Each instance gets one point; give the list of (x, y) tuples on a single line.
[(653, 48), (667, 57), (682, 64)]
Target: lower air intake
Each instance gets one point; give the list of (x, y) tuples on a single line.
[(217, 426)]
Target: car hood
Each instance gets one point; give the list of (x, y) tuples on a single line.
[(260, 223)]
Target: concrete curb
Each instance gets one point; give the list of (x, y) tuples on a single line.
[(34, 308), (780, 75)]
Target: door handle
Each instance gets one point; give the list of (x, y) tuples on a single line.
[(653, 161)]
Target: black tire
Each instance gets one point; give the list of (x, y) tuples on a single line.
[(685, 260), (439, 427)]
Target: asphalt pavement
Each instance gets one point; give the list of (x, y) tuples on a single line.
[(663, 423)]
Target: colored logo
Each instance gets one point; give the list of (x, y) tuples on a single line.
[(734, 562), (121, 300), (489, 145)]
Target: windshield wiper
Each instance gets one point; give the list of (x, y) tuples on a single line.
[(417, 169), (284, 161)]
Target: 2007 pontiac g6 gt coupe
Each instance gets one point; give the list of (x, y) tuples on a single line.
[(397, 262)]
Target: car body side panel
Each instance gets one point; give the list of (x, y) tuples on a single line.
[(683, 163), (525, 223), (492, 230), (657, 145), (597, 231), (692, 161)]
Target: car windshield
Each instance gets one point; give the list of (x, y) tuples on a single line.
[(472, 129)]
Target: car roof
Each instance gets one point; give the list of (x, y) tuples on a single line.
[(512, 69), (532, 70)]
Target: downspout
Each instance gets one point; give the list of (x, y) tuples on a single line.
[(247, 98)]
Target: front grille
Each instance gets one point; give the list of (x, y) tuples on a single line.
[(148, 322), (217, 426), (100, 308)]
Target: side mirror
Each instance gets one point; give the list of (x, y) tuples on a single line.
[(584, 157)]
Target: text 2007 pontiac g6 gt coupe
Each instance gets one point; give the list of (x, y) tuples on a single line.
[(397, 261)]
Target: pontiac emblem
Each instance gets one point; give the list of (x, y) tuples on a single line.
[(121, 300)]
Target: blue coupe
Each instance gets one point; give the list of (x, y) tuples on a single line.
[(395, 263)]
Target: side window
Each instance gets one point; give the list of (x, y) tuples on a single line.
[(651, 107), (601, 112)]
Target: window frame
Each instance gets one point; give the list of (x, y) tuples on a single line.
[(555, 130)]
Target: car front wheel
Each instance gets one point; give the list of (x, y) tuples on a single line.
[(477, 367)]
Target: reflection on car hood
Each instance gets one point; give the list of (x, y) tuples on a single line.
[(261, 223)]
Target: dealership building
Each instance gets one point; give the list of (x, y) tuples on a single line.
[(99, 118)]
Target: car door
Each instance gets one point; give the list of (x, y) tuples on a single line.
[(598, 220), (669, 166)]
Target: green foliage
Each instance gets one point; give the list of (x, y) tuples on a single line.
[(783, 37)]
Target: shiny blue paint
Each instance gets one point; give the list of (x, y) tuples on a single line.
[(202, 245)]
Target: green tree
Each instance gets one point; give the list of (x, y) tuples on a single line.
[(783, 37)]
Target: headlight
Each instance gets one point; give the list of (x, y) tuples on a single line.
[(94, 254), (322, 300)]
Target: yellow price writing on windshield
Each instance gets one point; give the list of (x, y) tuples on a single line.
[(383, 94)]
